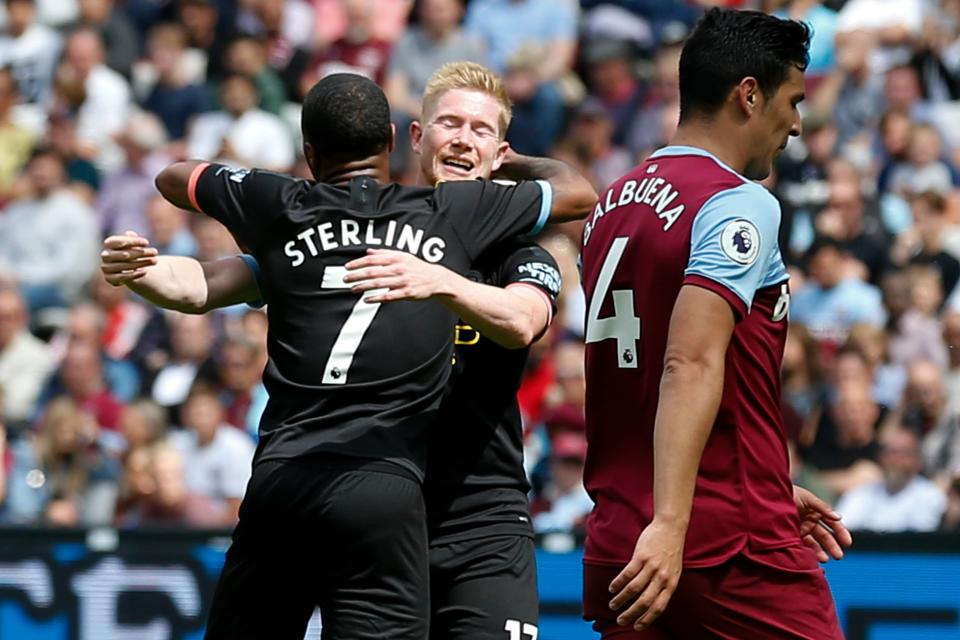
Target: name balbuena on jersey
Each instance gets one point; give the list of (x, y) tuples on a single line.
[(476, 485), (684, 218), (344, 376)]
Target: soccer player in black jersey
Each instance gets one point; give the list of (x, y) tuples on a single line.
[(333, 514), (483, 572)]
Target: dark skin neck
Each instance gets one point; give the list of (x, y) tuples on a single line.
[(340, 172)]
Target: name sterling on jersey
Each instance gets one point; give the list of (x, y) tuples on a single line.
[(331, 235), (655, 192)]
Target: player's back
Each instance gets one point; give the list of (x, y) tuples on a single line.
[(680, 218), (345, 376)]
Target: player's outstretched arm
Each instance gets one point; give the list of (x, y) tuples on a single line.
[(690, 391), (573, 195), (173, 183), (513, 317), (176, 282)]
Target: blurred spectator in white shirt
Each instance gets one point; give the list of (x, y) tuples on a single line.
[(49, 241), (241, 134), (892, 25), (904, 500), (563, 504), (25, 361), (120, 39), (217, 456)]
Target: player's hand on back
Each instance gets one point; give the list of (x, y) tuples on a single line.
[(821, 528), (400, 276), (644, 587), (125, 258)]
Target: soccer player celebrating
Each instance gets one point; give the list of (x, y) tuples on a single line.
[(481, 535), (696, 531)]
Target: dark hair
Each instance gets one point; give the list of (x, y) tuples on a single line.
[(823, 242), (346, 116), (729, 45)]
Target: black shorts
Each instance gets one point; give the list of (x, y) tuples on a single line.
[(484, 589), (351, 541)]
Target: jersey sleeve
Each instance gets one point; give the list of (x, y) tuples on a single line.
[(254, 267), (246, 201), (530, 265), (485, 212), (733, 245)]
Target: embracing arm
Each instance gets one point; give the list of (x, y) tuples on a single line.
[(513, 317), (573, 195), (176, 282)]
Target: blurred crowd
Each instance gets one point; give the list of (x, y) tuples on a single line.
[(115, 412)]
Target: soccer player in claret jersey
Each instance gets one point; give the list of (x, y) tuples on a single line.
[(696, 531), (333, 515)]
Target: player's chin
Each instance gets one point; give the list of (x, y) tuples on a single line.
[(449, 175)]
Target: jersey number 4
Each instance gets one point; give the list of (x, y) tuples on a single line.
[(352, 331), (624, 325)]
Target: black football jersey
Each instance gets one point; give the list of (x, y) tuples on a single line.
[(345, 376), (475, 477)]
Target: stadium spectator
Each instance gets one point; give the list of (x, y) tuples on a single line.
[(143, 423), (31, 50), (285, 26), (120, 39), (172, 502), (610, 67), (240, 133), (60, 475), (891, 25), (588, 145), (48, 240), (100, 95), (951, 340), (924, 243), (25, 361), (173, 89), (923, 171), (926, 411), (82, 380), (190, 360), (206, 40), (247, 56), (121, 200), (242, 395), (217, 457), (167, 228), (803, 385), (16, 142), (903, 500), (889, 378), (563, 504), (832, 302)]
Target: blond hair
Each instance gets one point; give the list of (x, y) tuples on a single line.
[(470, 76)]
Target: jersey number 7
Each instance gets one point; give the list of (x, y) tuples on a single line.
[(624, 325), (351, 333)]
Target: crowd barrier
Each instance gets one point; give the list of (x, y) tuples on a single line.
[(101, 584)]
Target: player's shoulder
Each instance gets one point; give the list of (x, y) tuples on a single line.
[(747, 199)]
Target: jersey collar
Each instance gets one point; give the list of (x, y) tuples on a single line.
[(685, 150)]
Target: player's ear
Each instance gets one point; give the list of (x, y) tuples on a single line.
[(416, 136), (310, 155), (748, 95), (393, 137), (500, 155)]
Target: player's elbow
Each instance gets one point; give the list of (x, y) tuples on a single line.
[(686, 367), (573, 200)]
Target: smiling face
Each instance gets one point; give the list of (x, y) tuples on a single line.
[(460, 138), (777, 120)]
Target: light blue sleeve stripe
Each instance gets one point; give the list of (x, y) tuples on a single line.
[(254, 266), (546, 205), (734, 241)]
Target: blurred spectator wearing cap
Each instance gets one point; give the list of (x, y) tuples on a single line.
[(16, 142), (31, 50), (119, 36), (923, 244), (206, 40), (588, 145), (171, 90), (665, 17), (25, 361), (424, 48), (532, 43), (217, 456), (903, 500), (563, 505), (240, 133), (48, 241), (99, 96), (831, 302), (612, 79), (924, 170), (83, 178), (120, 205)]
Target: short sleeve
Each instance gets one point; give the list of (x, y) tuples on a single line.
[(485, 212), (530, 265), (733, 245), (246, 201)]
